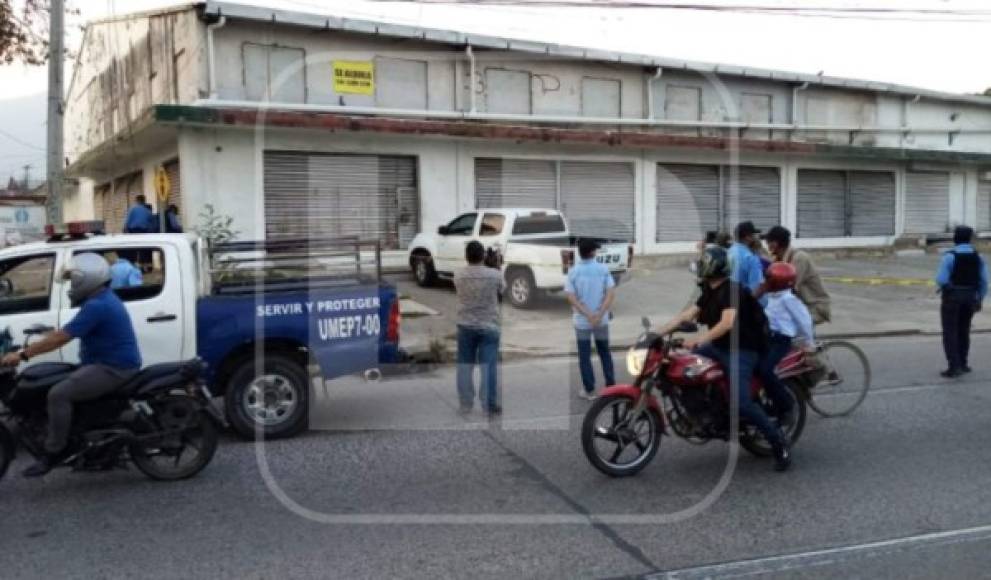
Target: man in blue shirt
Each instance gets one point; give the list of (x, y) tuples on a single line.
[(123, 273), (962, 280), (591, 290), (745, 266), (108, 352), (139, 218)]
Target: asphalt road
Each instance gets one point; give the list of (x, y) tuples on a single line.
[(393, 484)]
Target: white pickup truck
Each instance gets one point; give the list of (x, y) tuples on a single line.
[(535, 247)]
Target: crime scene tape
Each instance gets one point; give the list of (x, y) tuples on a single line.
[(874, 281)]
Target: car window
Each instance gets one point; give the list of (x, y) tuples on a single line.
[(26, 283), (539, 223), (135, 273), (492, 224), (462, 225)]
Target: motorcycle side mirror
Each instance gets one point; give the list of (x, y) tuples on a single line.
[(645, 323), (688, 327)]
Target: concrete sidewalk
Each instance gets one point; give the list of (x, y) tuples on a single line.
[(877, 296)]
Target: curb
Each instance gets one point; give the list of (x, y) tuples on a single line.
[(517, 354)]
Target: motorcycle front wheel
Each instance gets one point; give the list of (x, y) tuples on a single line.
[(185, 443), (615, 442)]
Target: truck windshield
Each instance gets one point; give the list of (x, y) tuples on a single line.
[(539, 224)]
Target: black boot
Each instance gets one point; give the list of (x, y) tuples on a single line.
[(782, 456)]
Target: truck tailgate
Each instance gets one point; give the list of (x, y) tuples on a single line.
[(614, 256)]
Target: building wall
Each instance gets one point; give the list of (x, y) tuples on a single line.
[(126, 66), (223, 168)]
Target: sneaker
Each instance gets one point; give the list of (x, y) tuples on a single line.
[(493, 411), (966, 369), (587, 396), (951, 373), (44, 464), (782, 457), (464, 410)]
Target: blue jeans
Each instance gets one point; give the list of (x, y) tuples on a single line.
[(744, 364), (478, 346), (778, 347), (584, 338)]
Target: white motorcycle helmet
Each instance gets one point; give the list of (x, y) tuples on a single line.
[(87, 274)]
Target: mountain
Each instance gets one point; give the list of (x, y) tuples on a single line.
[(22, 137)]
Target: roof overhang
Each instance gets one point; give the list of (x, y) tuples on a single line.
[(175, 115), (119, 154)]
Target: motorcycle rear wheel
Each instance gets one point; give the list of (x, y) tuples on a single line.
[(162, 458), (640, 434), (755, 443)]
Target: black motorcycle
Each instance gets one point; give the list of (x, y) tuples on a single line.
[(162, 420)]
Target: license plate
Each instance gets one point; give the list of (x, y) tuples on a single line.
[(609, 259)]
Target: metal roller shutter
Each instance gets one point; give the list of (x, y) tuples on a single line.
[(821, 204), (329, 195), (984, 206), (872, 203), (515, 183), (175, 193), (927, 202), (755, 196), (687, 201), (598, 198)]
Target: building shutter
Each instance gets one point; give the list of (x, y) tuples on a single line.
[(927, 202), (515, 183), (984, 206), (687, 201), (872, 203), (100, 195), (755, 195), (598, 198), (821, 204), (175, 193), (316, 195)]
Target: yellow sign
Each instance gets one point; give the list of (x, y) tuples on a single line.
[(163, 185), (356, 77)]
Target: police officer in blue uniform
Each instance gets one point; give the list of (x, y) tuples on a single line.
[(962, 280)]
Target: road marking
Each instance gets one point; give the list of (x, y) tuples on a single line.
[(828, 556), (879, 281)]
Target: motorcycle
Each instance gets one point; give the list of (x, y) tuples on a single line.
[(162, 420), (622, 430)]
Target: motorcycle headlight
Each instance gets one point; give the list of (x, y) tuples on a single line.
[(635, 359)]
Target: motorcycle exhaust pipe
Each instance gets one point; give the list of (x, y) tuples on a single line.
[(373, 375)]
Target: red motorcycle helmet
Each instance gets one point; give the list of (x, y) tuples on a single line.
[(780, 276)]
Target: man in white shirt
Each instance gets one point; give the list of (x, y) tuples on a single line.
[(789, 321)]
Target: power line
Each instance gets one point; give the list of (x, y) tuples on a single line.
[(20, 141), (863, 13)]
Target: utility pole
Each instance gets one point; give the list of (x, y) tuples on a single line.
[(54, 145)]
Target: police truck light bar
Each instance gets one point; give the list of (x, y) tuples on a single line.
[(74, 229)]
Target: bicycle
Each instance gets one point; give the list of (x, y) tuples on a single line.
[(843, 381)]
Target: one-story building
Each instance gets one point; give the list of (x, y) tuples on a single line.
[(307, 124)]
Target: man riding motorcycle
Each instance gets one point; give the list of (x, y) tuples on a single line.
[(735, 338), (108, 351)]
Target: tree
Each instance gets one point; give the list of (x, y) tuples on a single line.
[(987, 92), (24, 30)]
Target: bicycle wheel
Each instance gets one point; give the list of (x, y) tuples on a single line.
[(845, 380)]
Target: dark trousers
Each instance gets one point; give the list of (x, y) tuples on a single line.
[(956, 313), (739, 367), (478, 346), (778, 346), (584, 339), (88, 383)]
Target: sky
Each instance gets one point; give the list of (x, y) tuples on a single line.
[(947, 53)]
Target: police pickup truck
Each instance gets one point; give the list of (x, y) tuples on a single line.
[(535, 247), (260, 314)]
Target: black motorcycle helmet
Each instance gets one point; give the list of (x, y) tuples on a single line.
[(714, 263)]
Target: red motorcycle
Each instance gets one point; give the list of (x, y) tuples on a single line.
[(622, 430)]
